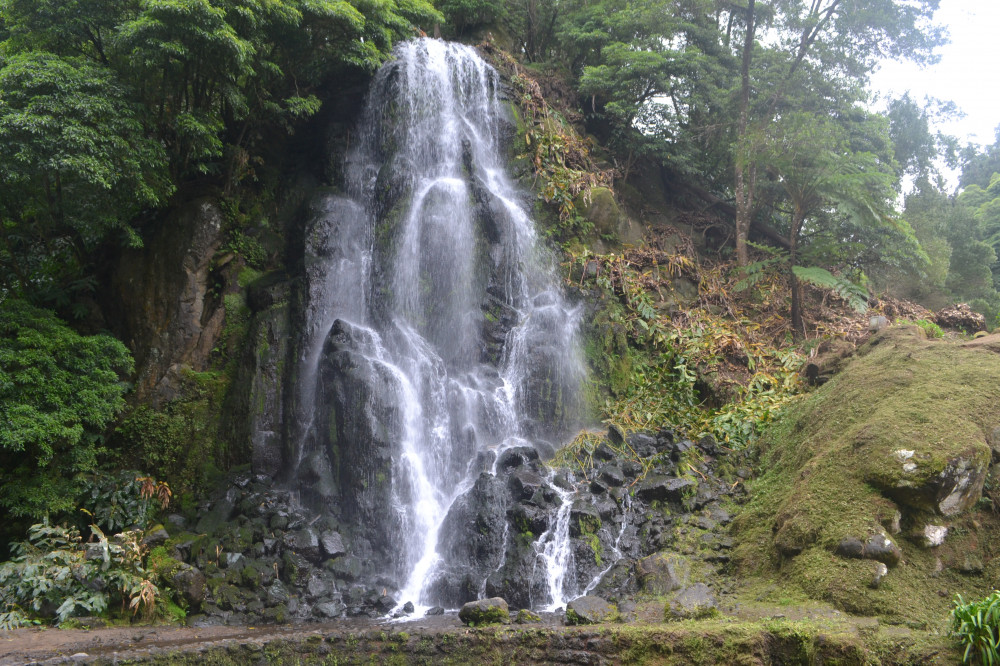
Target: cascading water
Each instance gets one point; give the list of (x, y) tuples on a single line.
[(436, 336)]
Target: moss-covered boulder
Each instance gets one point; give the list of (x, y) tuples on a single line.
[(485, 611), (590, 610), (662, 573), (858, 473), (610, 223)]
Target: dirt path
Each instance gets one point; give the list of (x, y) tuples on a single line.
[(25, 646)]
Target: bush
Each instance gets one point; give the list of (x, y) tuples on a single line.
[(977, 626), (53, 576), (58, 391), (930, 328)]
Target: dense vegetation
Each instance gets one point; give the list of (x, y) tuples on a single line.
[(759, 110)]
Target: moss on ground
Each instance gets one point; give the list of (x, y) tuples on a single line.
[(831, 469), (717, 641)]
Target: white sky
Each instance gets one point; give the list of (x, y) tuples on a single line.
[(968, 73)]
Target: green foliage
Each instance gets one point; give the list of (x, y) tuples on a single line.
[(856, 296), (179, 443), (465, 15), (672, 365), (75, 166), (115, 502), (930, 328), (58, 391), (976, 625), (560, 157), (53, 576)]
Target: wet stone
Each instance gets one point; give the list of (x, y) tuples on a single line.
[(384, 604), (662, 488), (332, 544), (644, 444), (612, 475), (697, 601), (589, 610), (516, 457), (329, 609)]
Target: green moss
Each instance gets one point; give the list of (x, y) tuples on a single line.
[(832, 470)]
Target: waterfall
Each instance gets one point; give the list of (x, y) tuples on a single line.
[(436, 336)]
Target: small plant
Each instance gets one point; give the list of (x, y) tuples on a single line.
[(53, 575), (977, 626), (930, 328), (123, 500)]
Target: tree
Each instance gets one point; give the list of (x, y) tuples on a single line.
[(76, 166), (827, 181), (916, 147), (58, 390), (465, 15), (656, 74), (844, 39)]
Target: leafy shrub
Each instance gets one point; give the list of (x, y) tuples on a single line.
[(930, 328), (977, 626), (123, 500), (58, 391), (54, 576)]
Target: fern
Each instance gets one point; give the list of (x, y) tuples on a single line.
[(855, 295), (757, 270)]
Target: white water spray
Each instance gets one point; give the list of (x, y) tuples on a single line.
[(449, 306)]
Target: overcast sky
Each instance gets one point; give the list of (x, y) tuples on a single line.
[(968, 74)]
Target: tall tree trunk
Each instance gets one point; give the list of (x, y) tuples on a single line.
[(798, 324), (746, 167)]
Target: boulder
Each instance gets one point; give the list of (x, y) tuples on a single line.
[(877, 547), (332, 544), (485, 611), (329, 609), (993, 440), (525, 616), (189, 583), (663, 488), (516, 457), (590, 610), (697, 601), (946, 485), (662, 573)]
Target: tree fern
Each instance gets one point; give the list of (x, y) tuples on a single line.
[(752, 273), (855, 295)]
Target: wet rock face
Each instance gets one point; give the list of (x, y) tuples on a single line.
[(168, 314), (266, 558), (496, 534), (257, 556), (358, 460)]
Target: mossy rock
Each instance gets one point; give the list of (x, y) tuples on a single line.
[(485, 611), (525, 616), (896, 440), (590, 610), (610, 223)]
